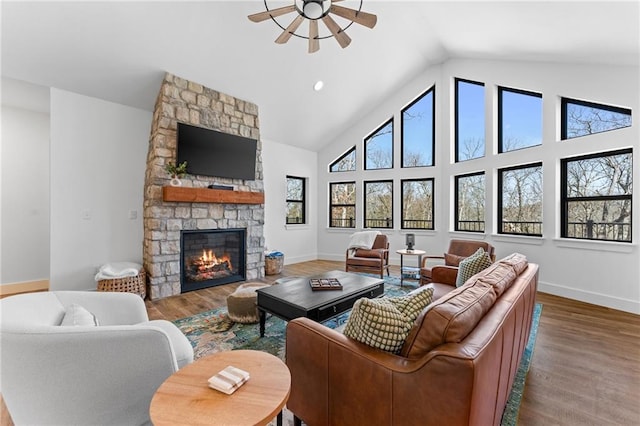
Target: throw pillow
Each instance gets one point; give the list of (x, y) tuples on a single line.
[(384, 323), (77, 315), (472, 265)]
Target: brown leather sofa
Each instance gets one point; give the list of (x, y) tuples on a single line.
[(456, 367)]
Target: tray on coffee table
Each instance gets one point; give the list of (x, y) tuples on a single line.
[(325, 284)]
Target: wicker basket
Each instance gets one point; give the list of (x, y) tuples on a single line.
[(137, 284), (273, 265)]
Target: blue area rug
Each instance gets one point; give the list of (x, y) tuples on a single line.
[(212, 331)]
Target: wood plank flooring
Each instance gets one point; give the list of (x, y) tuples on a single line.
[(585, 368)]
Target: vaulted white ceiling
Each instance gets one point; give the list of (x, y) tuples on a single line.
[(119, 51)]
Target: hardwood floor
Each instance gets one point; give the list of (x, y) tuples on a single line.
[(585, 368)]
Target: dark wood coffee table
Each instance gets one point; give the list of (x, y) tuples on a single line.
[(295, 298)]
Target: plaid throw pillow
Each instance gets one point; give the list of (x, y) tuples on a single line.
[(385, 323), (473, 264)]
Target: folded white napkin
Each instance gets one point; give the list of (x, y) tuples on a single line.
[(228, 380)]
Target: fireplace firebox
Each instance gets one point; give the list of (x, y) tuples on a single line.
[(211, 257)]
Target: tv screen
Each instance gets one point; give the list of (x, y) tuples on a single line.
[(212, 153)]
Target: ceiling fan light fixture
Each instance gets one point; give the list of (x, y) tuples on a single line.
[(313, 9)]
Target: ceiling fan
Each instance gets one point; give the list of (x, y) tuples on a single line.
[(314, 11)]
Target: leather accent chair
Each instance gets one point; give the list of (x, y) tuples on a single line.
[(374, 260), (458, 250)]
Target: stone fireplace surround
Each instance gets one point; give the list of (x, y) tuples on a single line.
[(167, 211)]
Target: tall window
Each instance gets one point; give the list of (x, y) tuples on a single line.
[(470, 200), (342, 208), (418, 131), (378, 147), (469, 120), (520, 200), (417, 203), (596, 196), (346, 162), (519, 119), (378, 204), (296, 200), (580, 118)]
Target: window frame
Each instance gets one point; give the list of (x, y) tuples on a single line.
[(331, 205), (302, 202), (365, 219), (564, 200), (456, 118), (433, 190), (370, 135), (431, 90), (502, 89), (564, 102), (347, 153), (457, 201), (500, 195)]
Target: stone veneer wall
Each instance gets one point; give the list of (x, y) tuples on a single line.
[(183, 101)]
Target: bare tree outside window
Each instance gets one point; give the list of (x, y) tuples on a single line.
[(378, 204), (417, 204), (469, 120), (346, 162), (295, 200), (596, 198), (470, 201), (520, 200), (580, 118), (342, 208), (418, 131), (379, 148)]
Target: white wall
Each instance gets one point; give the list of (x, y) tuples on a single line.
[(24, 227), (603, 273), (297, 242), (98, 157)]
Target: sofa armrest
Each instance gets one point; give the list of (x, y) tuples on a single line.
[(425, 259), (444, 274)]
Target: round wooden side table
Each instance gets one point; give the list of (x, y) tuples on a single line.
[(185, 398), (410, 272)]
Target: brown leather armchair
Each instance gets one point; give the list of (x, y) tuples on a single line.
[(457, 251), (375, 260)]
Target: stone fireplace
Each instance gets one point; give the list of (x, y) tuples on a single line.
[(172, 212)]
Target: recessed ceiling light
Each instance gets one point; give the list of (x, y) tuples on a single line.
[(318, 86)]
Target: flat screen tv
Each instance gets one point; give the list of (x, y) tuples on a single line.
[(212, 153)]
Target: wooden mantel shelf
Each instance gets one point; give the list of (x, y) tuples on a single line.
[(205, 195)]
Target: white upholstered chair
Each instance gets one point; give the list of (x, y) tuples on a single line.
[(84, 374)]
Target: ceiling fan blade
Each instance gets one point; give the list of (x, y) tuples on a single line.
[(314, 42), (341, 37), (293, 26), (263, 16), (363, 18)]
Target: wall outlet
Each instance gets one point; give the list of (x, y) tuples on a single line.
[(133, 214)]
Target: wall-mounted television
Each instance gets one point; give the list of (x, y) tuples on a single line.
[(213, 153)]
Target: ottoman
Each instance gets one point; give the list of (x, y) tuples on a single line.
[(242, 304)]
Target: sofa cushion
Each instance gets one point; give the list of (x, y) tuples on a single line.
[(453, 259), (385, 322), (472, 265), (518, 261), (449, 319), (376, 253), (78, 316)]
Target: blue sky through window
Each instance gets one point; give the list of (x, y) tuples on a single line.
[(471, 121), (417, 132), (521, 124)]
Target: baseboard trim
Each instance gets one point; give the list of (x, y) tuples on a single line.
[(617, 303), (23, 287)]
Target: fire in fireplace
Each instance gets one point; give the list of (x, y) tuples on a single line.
[(211, 257)]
